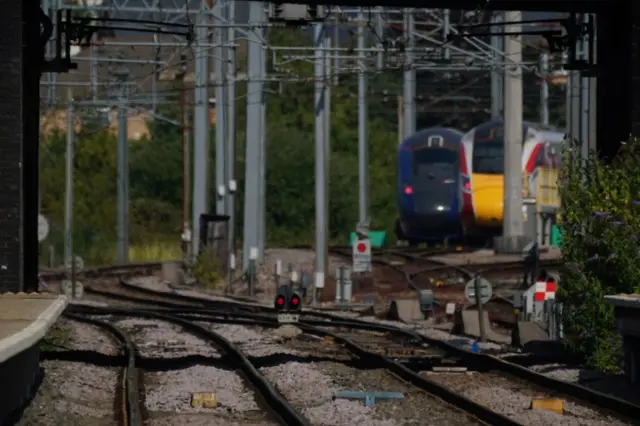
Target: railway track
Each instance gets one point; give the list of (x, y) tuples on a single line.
[(127, 405), (129, 410), (393, 349)]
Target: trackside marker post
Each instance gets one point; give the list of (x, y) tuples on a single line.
[(479, 292), (253, 257)]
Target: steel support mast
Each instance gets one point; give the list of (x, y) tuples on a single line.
[(321, 161), (219, 53), (363, 127), (254, 136), (123, 169), (201, 129), (409, 96), (512, 239)]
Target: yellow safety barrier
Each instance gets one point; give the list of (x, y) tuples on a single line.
[(545, 191), (553, 404)]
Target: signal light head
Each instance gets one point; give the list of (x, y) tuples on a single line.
[(408, 190), (279, 302)]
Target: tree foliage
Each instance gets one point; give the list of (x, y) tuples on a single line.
[(600, 225)]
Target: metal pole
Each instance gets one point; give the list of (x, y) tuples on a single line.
[(409, 78), (584, 97), (512, 223), (568, 93), (186, 167), (321, 178), (336, 60), (400, 120), (446, 28), (574, 105), (123, 170), (593, 87), (544, 89), (93, 65), (479, 305), (231, 138), (252, 159), (378, 39), (327, 126), (497, 79), (154, 77), (68, 199), (262, 192), (363, 146), (221, 113), (201, 131)]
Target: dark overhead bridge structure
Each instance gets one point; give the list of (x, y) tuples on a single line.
[(22, 38)]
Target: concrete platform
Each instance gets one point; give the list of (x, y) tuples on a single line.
[(24, 320), (627, 311), (482, 256)]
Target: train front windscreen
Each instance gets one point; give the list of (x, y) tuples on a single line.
[(435, 177), (488, 158)]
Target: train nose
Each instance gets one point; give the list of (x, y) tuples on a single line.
[(489, 206)]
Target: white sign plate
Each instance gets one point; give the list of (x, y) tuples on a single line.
[(67, 289), (362, 255), (79, 264), (288, 318), (486, 291), (43, 228)]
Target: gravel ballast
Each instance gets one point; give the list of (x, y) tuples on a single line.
[(611, 384), (512, 397), (310, 387), (75, 394), (168, 393)]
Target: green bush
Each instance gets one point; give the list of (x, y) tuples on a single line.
[(600, 224), (208, 270)]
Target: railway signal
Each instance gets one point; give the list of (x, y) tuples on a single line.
[(288, 304)]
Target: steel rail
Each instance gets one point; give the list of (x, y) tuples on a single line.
[(130, 413), (279, 407), (478, 361), (480, 412)]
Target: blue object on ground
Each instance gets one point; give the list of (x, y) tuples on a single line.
[(368, 397)]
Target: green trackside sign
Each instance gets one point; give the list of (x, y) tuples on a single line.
[(377, 238)]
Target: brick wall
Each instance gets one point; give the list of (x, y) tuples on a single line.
[(11, 132)]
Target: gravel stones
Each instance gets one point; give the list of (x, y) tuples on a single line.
[(253, 342), (512, 397), (156, 339), (171, 390), (311, 391), (416, 408), (168, 393), (303, 261), (88, 337), (75, 394)]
